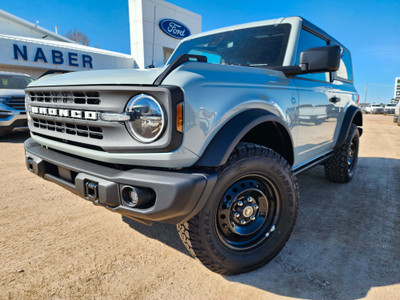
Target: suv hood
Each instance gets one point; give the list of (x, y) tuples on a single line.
[(11, 93), (100, 77)]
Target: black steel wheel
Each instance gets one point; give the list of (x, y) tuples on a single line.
[(247, 212), (250, 214)]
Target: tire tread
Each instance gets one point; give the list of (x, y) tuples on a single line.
[(336, 168), (191, 237)]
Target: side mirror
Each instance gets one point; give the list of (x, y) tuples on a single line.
[(320, 59)]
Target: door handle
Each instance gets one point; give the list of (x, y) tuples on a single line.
[(334, 99)]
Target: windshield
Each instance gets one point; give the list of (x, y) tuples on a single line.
[(391, 105), (14, 82), (263, 46), (376, 105)]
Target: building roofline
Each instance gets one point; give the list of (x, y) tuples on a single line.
[(34, 26)]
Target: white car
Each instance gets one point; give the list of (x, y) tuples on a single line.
[(374, 109), (389, 109)]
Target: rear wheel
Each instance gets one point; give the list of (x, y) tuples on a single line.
[(250, 215), (342, 166)]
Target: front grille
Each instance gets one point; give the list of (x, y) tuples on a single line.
[(93, 132), (74, 97), (67, 114), (65, 141), (17, 103)]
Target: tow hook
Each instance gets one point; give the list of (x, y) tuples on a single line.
[(91, 190)]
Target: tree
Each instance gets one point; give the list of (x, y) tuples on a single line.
[(78, 36)]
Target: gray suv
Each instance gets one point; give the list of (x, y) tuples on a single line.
[(212, 142), (12, 101)]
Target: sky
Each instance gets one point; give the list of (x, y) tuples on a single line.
[(369, 29)]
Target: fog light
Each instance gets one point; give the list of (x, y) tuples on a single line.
[(137, 197), (133, 197)]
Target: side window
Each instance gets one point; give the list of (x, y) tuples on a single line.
[(345, 70), (307, 41)]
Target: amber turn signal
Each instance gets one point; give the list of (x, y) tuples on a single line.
[(179, 117)]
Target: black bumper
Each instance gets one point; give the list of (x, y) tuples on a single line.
[(178, 195)]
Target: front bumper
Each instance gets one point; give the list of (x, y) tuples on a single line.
[(12, 118), (179, 195)]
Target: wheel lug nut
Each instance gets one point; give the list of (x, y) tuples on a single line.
[(252, 218), (249, 199), (237, 215), (240, 203), (255, 206), (243, 222)]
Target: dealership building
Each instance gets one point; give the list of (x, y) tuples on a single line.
[(397, 88), (156, 28)]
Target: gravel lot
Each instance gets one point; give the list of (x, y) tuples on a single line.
[(345, 245)]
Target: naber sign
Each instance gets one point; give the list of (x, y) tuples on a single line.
[(56, 57)]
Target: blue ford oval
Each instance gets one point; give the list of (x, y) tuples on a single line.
[(174, 28)]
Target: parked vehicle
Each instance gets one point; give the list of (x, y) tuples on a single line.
[(211, 142), (12, 101), (374, 109), (389, 109)]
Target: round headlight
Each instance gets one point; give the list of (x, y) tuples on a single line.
[(147, 118)]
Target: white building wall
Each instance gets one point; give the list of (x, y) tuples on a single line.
[(35, 73), (144, 18), (39, 55), (33, 50)]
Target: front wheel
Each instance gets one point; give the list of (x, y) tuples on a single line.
[(250, 215)]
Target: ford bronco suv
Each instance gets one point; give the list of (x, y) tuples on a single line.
[(12, 101), (212, 142)]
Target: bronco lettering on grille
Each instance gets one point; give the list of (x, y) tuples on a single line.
[(58, 112)]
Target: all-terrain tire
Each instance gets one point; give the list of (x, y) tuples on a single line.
[(342, 166), (224, 251)]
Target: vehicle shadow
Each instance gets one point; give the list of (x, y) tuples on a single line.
[(15, 136), (165, 233), (346, 240)]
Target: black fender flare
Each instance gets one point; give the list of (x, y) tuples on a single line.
[(352, 115), (226, 139)]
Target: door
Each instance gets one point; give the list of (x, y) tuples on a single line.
[(317, 118)]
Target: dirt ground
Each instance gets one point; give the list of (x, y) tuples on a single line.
[(345, 245)]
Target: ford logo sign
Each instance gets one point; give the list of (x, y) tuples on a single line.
[(174, 28)]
